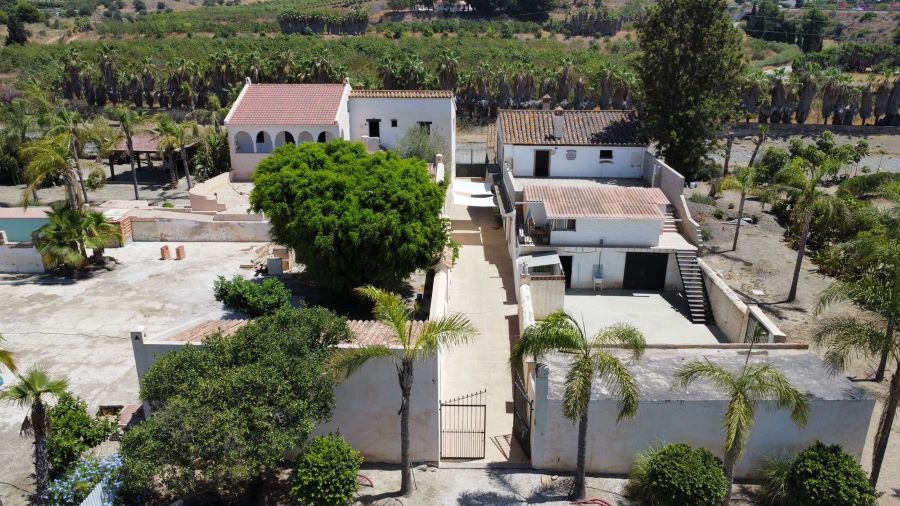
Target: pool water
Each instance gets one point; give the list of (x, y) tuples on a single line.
[(20, 229)]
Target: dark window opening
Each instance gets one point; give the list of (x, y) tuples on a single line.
[(606, 154), (260, 137), (321, 137), (425, 125), (393, 123)]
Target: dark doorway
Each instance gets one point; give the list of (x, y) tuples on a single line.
[(374, 127), (567, 269), (645, 271), (541, 163)]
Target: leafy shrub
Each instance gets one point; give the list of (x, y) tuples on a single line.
[(719, 214), (699, 198), (421, 143), (326, 472), (75, 486), (866, 185), (826, 475), (74, 431), (677, 474), (774, 481), (251, 298)]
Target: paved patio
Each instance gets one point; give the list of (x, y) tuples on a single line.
[(661, 316)]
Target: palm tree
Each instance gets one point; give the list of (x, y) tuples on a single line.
[(755, 383), (744, 180), (7, 358), (173, 136), (418, 340), (32, 391), (68, 233), (50, 159), (130, 122), (561, 333), (79, 133)]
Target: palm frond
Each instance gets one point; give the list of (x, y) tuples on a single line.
[(624, 335), (766, 382), (449, 331), (704, 369), (7, 358), (737, 423), (347, 361), (391, 310), (557, 332), (619, 379), (843, 337), (577, 394)]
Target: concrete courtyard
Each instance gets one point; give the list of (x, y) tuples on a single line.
[(79, 329), (661, 316)]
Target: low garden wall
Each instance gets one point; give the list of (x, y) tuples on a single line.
[(145, 228), (21, 258)]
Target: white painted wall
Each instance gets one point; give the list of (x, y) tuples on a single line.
[(441, 112), (612, 232), (612, 446), (584, 261), (20, 258), (243, 164), (187, 230), (366, 407), (626, 162)]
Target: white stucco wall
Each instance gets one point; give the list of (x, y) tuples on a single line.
[(441, 112), (613, 261), (187, 230), (20, 258), (626, 162), (612, 232), (612, 446), (729, 311), (243, 164)]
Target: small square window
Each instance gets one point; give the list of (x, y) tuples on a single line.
[(425, 125), (393, 123), (606, 154), (571, 154)]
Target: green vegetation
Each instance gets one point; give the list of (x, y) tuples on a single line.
[(417, 341), (767, 21), (330, 21), (74, 432), (252, 298), (237, 404), (699, 198), (422, 144), (677, 94), (825, 475), (326, 473), (678, 474), (592, 358), (64, 240), (350, 217)]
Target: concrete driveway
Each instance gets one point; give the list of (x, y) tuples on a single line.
[(79, 329)]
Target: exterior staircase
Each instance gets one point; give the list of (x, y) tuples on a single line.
[(671, 223), (694, 290)]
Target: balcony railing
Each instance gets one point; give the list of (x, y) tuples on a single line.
[(535, 235)]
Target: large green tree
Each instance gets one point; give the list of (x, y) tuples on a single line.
[(352, 218), (592, 358), (224, 414), (689, 72)]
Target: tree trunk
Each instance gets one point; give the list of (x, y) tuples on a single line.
[(728, 464), (886, 351), (187, 168), (801, 250), (737, 226), (134, 180), (41, 460), (405, 375), (727, 153), (888, 411), (578, 486), (78, 171)]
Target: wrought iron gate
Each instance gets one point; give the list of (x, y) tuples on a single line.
[(463, 427), (523, 409)]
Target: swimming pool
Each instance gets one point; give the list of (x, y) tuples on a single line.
[(20, 229)]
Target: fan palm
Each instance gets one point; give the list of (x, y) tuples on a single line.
[(755, 383), (417, 340), (50, 158), (743, 180), (592, 358), (130, 123), (174, 136), (68, 233), (7, 358), (79, 133), (32, 391)]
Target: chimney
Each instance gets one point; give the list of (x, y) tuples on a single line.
[(247, 80), (545, 102), (558, 122)]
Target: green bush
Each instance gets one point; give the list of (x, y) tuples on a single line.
[(826, 475), (775, 473), (678, 474), (73, 432), (251, 298), (326, 473), (699, 198), (719, 214)]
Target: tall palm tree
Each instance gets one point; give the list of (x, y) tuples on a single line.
[(79, 133), (32, 391), (754, 383), (50, 158), (743, 180), (592, 358), (174, 136), (418, 340), (130, 122), (7, 359)]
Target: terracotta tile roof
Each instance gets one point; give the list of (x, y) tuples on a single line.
[(365, 331), (141, 143), (580, 128), (597, 201), (288, 104), (401, 94)]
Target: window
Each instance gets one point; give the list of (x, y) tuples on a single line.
[(425, 125), (571, 154), (606, 155), (563, 224), (393, 123)]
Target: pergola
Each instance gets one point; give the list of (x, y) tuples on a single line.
[(142, 143)]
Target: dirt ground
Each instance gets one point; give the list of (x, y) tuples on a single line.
[(760, 272)]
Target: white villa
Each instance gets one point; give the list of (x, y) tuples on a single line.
[(267, 116)]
